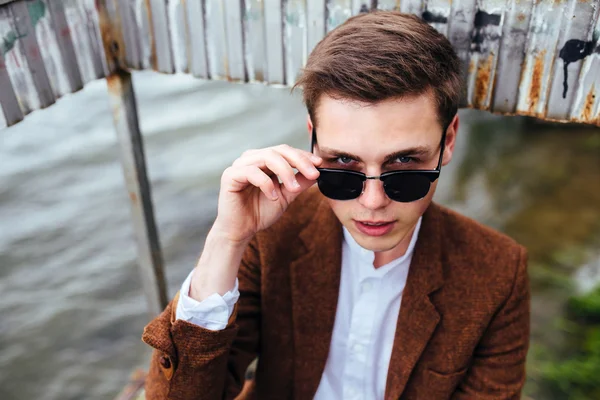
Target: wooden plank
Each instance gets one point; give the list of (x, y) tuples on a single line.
[(234, 29), (274, 42), (316, 16), (436, 13), (160, 32), (586, 104), (338, 11), (196, 38), (33, 55), (217, 39), (16, 64), (512, 55), (485, 44), (65, 46), (540, 55), (81, 26), (576, 42), (255, 41), (11, 111), (295, 37), (130, 31), (177, 29), (47, 39)]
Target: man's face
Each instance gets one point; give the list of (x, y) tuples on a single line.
[(362, 137)]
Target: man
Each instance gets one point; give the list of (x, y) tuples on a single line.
[(360, 287)]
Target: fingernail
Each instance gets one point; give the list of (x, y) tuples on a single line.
[(274, 194), (295, 184)]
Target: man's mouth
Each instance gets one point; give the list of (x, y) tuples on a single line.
[(375, 228)]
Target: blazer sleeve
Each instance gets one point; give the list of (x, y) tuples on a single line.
[(191, 362), (498, 367)]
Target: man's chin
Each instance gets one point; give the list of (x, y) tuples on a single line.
[(376, 244)]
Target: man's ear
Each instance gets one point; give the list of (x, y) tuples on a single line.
[(309, 126), (451, 134)]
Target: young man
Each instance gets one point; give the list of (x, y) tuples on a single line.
[(360, 287)]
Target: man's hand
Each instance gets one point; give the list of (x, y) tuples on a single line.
[(251, 199)]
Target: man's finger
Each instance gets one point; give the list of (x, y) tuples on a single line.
[(241, 177), (304, 184)]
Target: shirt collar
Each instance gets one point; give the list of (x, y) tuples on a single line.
[(368, 256)]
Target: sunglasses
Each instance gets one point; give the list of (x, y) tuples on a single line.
[(403, 186)]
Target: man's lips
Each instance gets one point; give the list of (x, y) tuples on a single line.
[(374, 228)]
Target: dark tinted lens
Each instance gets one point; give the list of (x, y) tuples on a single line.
[(340, 185), (406, 187)]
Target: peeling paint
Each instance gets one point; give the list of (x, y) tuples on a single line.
[(153, 57), (588, 107), (535, 89), (517, 56), (482, 84)]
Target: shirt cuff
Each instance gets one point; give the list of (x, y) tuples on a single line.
[(211, 313)]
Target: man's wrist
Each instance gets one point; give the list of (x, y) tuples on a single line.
[(218, 266)]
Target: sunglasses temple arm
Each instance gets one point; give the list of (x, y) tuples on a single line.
[(442, 148), (313, 139)]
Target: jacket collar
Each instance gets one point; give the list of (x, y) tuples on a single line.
[(418, 316), (315, 283)]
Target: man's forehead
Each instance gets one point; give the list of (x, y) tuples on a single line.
[(396, 123), (421, 106), (376, 141)]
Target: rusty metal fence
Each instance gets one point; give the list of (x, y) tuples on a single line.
[(520, 57), (528, 57)]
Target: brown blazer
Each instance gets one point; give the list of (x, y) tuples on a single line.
[(462, 332)]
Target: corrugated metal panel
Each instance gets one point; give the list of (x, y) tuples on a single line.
[(529, 57)]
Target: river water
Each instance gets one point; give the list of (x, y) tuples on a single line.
[(72, 308)]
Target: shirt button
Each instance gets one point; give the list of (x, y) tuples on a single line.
[(358, 348), (352, 394), (165, 362)]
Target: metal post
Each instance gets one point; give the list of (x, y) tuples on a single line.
[(125, 116)]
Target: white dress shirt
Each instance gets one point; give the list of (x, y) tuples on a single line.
[(365, 322)]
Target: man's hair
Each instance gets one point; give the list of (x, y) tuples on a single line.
[(382, 55)]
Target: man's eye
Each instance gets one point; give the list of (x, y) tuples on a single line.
[(404, 160), (344, 160)]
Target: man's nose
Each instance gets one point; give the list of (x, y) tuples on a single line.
[(373, 196)]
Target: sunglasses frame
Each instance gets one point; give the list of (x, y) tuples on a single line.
[(432, 175)]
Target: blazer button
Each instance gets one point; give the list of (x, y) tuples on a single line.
[(165, 362)]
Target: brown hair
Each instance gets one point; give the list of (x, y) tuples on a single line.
[(381, 55)]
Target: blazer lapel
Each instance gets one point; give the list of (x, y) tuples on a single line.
[(418, 316), (315, 282)]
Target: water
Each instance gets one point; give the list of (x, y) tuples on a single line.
[(72, 309)]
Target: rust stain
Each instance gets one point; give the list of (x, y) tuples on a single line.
[(133, 197), (588, 106), (259, 75), (471, 66), (112, 38), (113, 81), (482, 82), (521, 17), (153, 58), (535, 89)]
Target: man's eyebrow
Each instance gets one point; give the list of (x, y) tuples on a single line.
[(413, 151)]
